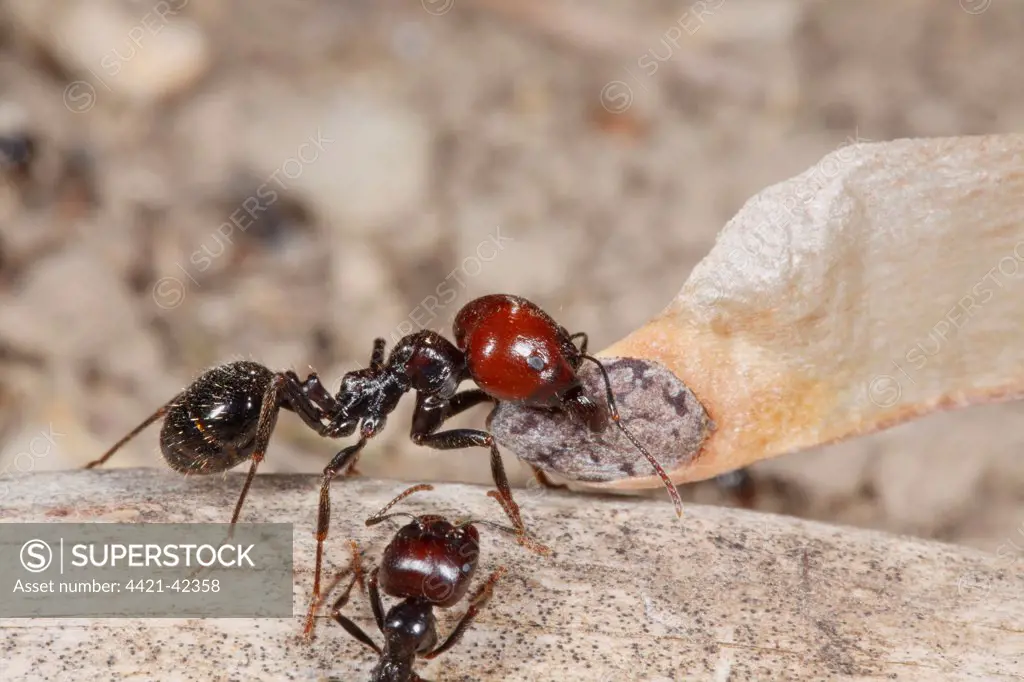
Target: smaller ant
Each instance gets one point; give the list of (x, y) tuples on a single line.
[(429, 563)]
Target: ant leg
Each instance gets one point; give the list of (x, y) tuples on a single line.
[(343, 460), (377, 356), (463, 438), (524, 540), (357, 564), (313, 403), (355, 567), (272, 398), (545, 482), (375, 602), (352, 629), (284, 390), (134, 432), (583, 343), (315, 390), (457, 439), (431, 412), (460, 402), (477, 601), (298, 399)]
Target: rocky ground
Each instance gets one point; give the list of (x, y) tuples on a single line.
[(285, 181)]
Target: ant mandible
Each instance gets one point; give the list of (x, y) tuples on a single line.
[(429, 563), (507, 345)]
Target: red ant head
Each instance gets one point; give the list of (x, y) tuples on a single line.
[(430, 559), (516, 352)]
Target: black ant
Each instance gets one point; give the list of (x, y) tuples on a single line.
[(508, 346), (429, 563)]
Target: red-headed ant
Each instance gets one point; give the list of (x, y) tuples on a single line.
[(429, 563), (508, 346)]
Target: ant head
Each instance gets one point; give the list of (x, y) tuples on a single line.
[(516, 352), (583, 409), (431, 559)]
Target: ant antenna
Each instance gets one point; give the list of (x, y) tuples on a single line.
[(669, 485), (482, 522), (382, 515)]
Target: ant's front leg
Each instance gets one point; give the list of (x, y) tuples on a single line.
[(477, 601), (431, 412), (310, 400), (583, 343), (352, 629)]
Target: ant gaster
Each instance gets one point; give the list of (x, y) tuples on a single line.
[(508, 346), (429, 564)]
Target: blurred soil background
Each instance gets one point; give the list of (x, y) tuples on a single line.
[(285, 181)]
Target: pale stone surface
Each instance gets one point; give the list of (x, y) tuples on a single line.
[(631, 594), (609, 213)]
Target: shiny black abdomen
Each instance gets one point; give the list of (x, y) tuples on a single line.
[(212, 426)]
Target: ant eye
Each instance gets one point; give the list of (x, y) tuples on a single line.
[(535, 362), (465, 568)]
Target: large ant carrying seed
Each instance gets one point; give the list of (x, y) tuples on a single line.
[(508, 346), (429, 564)]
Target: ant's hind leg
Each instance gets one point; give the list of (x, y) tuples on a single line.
[(134, 432)]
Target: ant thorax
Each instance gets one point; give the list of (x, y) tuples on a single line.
[(366, 397), (410, 628)]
